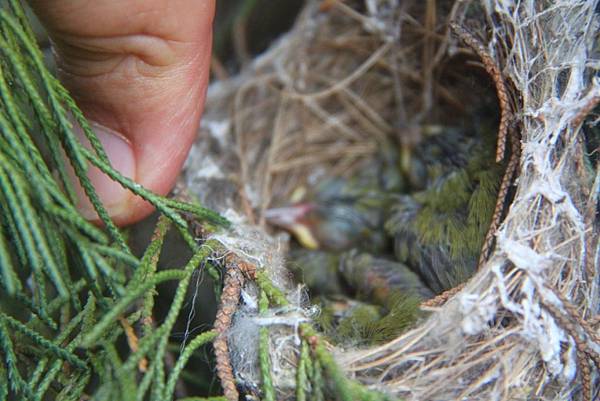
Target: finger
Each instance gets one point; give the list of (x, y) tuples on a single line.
[(139, 71)]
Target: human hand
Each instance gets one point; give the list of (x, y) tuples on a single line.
[(139, 71)]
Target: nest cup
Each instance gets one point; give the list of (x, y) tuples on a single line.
[(351, 76)]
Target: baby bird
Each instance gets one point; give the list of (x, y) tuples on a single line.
[(436, 212), (377, 279), (333, 225), (360, 274), (363, 299), (345, 213), (439, 229)]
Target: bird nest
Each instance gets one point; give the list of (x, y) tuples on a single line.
[(351, 74)]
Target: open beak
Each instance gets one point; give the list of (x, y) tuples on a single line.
[(291, 219), (286, 217)]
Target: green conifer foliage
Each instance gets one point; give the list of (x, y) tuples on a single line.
[(68, 289), (76, 305)]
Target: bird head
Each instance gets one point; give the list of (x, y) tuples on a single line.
[(329, 226), (298, 220)]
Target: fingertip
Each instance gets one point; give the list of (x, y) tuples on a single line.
[(122, 205), (142, 72), (118, 201), (130, 211)]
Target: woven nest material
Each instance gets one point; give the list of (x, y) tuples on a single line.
[(349, 75)]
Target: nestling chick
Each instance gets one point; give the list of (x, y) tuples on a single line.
[(332, 226), (377, 279), (318, 270), (345, 213), (439, 230), (437, 223), (362, 275), (354, 323)]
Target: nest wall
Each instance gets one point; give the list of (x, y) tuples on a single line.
[(351, 75)]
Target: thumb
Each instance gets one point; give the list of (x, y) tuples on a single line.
[(139, 71)]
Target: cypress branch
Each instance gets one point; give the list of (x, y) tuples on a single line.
[(42, 342), (110, 318), (197, 342), (263, 352)]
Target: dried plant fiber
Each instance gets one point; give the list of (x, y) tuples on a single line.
[(321, 100)]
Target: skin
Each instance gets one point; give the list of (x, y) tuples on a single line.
[(139, 71)]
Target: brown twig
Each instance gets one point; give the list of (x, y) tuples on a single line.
[(230, 296), (574, 314), (496, 75), (503, 129), (133, 342), (590, 268), (248, 269), (589, 207), (587, 109), (507, 180), (427, 58), (443, 297), (591, 239), (585, 371), (583, 349), (594, 357), (237, 270)]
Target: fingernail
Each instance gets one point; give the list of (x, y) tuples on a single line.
[(113, 196)]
